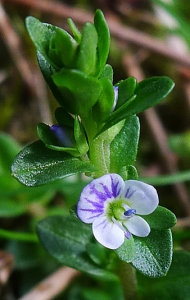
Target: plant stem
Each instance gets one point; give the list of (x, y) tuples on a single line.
[(98, 148), (128, 280), (98, 156)]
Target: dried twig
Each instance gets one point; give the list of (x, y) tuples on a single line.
[(119, 30), (182, 223), (30, 75), (57, 8), (13, 44), (6, 267), (52, 285)]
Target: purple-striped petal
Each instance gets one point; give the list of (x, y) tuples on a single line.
[(96, 196), (137, 226), (140, 196), (108, 233)]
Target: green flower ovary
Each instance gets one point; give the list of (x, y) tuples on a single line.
[(116, 209)]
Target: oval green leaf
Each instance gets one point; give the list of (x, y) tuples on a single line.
[(127, 250), (153, 253), (36, 165), (123, 149), (79, 91), (148, 93), (66, 239), (176, 285), (162, 218)]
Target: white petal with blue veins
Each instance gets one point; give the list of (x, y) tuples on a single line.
[(107, 233), (137, 226), (140, 196)]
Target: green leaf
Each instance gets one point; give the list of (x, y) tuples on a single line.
[(126, 89), (117, 116), (97, 252), (103, 39), (8, 184), (65, 47), (11, 208), (127, 250), (50, 139), (47, 71), (46, 135), (19, 236), (176, 285), (168, 178), (86, 58), (162, 218), (104, 106), (79, 91), (123, 149), (12, 189), (40, 34), (37, 165), (80, 137), (63, 118), (107, 73), (65, 143), (66, 239), (76, 33), (128, 173), (132, 173), (8, 149), (153, 253), (148, 93)]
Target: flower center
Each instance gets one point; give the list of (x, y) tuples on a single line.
[(120, 211), (116, 210)]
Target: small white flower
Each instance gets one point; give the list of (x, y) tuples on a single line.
[(113, 207)]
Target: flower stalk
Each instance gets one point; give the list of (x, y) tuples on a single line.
[(128, 280), (98, 157)]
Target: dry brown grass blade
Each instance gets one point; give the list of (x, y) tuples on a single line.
[(52, 285), (6, 266), (29, 74)]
